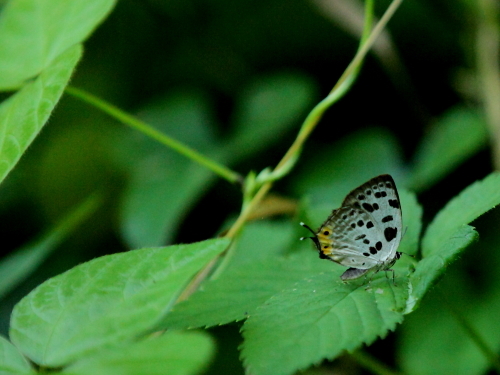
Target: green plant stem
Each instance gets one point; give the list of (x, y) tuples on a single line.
[(372, 364), (488, 69), (490, 354), (148, 130), (341, 87)]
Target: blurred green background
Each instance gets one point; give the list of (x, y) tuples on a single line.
[(235, 79)]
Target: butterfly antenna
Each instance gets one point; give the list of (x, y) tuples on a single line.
[(310, 230), (313, 238)]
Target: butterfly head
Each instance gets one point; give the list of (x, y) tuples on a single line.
[(321, 241)]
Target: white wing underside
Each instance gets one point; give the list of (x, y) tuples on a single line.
[(366, 230)]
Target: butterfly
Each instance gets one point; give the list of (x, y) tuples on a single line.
[(365, 232)]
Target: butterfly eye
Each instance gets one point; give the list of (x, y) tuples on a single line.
[(326, 233)]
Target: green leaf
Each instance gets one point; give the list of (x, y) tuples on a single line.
[(174, 353), (319, 318), (266, 111), (15, 267), (264, 239), (238, 292), (453, 139), (471, 203), (431, 268), (335, 171), (104, 302), (12, 361), (164, 184), (412, 222), (23, 114), (34, 33), (157, 198)]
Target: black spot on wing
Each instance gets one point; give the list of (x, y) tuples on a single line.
[(387, 218), (369, 225), (373, 250), (360, 237), (375, 206), (366, 242), (393, 203), (390, 233), (378, 245), (361, 197), (368, 207), (360, 223), (366, 254)]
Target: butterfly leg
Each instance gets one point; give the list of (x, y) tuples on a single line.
[(393, 276), (370, 280), (368, 284)]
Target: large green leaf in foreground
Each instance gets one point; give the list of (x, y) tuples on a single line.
[(174, 353), (23, 114), (104, 302), (239, 291), (319, 318)]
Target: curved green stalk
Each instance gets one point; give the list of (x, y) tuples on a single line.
[(339, 90), (148, 130)]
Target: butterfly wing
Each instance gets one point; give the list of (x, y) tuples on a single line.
[(365, 232), (379, 199), (344, 238)]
